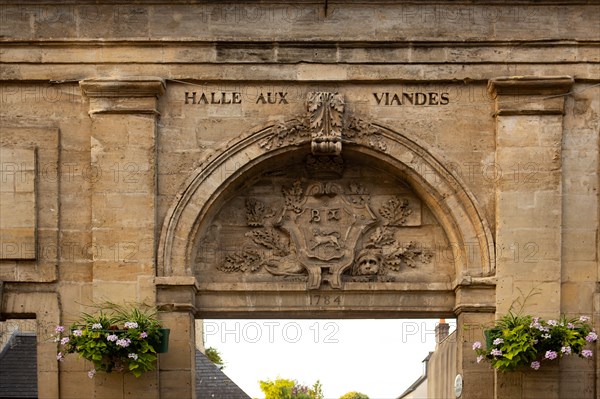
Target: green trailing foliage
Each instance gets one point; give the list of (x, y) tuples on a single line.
[(115, 338), (517, 341)]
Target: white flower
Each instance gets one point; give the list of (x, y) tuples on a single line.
[(131, 324), (96, 326), (92, 373), (123, 342), (583, 319), (133, 356), (112, 338)]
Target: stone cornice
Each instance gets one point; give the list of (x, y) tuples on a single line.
[(530, 85), (530, 95), (127, 95), (127, 87)]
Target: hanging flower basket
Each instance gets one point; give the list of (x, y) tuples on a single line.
[(526, 341), (115, 339)]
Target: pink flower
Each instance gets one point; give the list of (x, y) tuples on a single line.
[(476, 345), (570, 326), (498, 341), (535, 365), (583, 319), (64, 341), (479, 358), (552, 323), (496, 352), (591, 337), (60, 357), (587, 353), (59, 329), (551, 355), (566, 350), (144, 334), (92, 373), (77, 333)]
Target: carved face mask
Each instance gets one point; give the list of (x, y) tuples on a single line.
[(368, 265)]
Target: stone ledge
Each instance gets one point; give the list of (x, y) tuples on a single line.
[(530, 95), (530, 85), (126, 87), (134, 95)]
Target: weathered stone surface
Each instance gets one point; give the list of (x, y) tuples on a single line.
[(162, 143)]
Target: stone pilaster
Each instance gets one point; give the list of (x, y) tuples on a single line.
[(123, 170), (529, 129), (475, 305), (176, 297), (123, 190)]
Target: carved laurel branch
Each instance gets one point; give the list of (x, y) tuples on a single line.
[(297, 131)]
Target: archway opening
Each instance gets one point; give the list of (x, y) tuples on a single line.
[(381, 358)]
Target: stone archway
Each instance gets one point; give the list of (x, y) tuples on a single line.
[(442, 191), (327, 284)]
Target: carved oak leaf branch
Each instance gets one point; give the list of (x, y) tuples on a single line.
[(290, 131), (357, 130), (247, 259), (381, 237), (269, 239), (294, 196), (256, 212), (408, 255), (395, 211)]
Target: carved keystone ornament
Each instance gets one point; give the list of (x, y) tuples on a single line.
[(314, 233)]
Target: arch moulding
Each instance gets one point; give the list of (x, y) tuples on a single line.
[(323, 131)]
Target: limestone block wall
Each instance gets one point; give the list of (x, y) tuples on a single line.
[(107, 110)]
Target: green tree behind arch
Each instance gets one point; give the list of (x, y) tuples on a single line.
[(354, 395)]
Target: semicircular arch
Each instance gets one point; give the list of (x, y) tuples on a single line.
[(446, 195)]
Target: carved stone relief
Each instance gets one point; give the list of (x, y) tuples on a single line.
[(328, 218), (318, 231)]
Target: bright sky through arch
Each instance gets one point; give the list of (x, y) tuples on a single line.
[(380, 358)]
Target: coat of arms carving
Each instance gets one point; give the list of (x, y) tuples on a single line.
[(320, 226)]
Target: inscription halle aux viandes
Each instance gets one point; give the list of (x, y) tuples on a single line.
[(232, 98), (416, 98)]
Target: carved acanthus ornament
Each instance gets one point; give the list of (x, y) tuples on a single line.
[(327, 125), (326, 111)]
